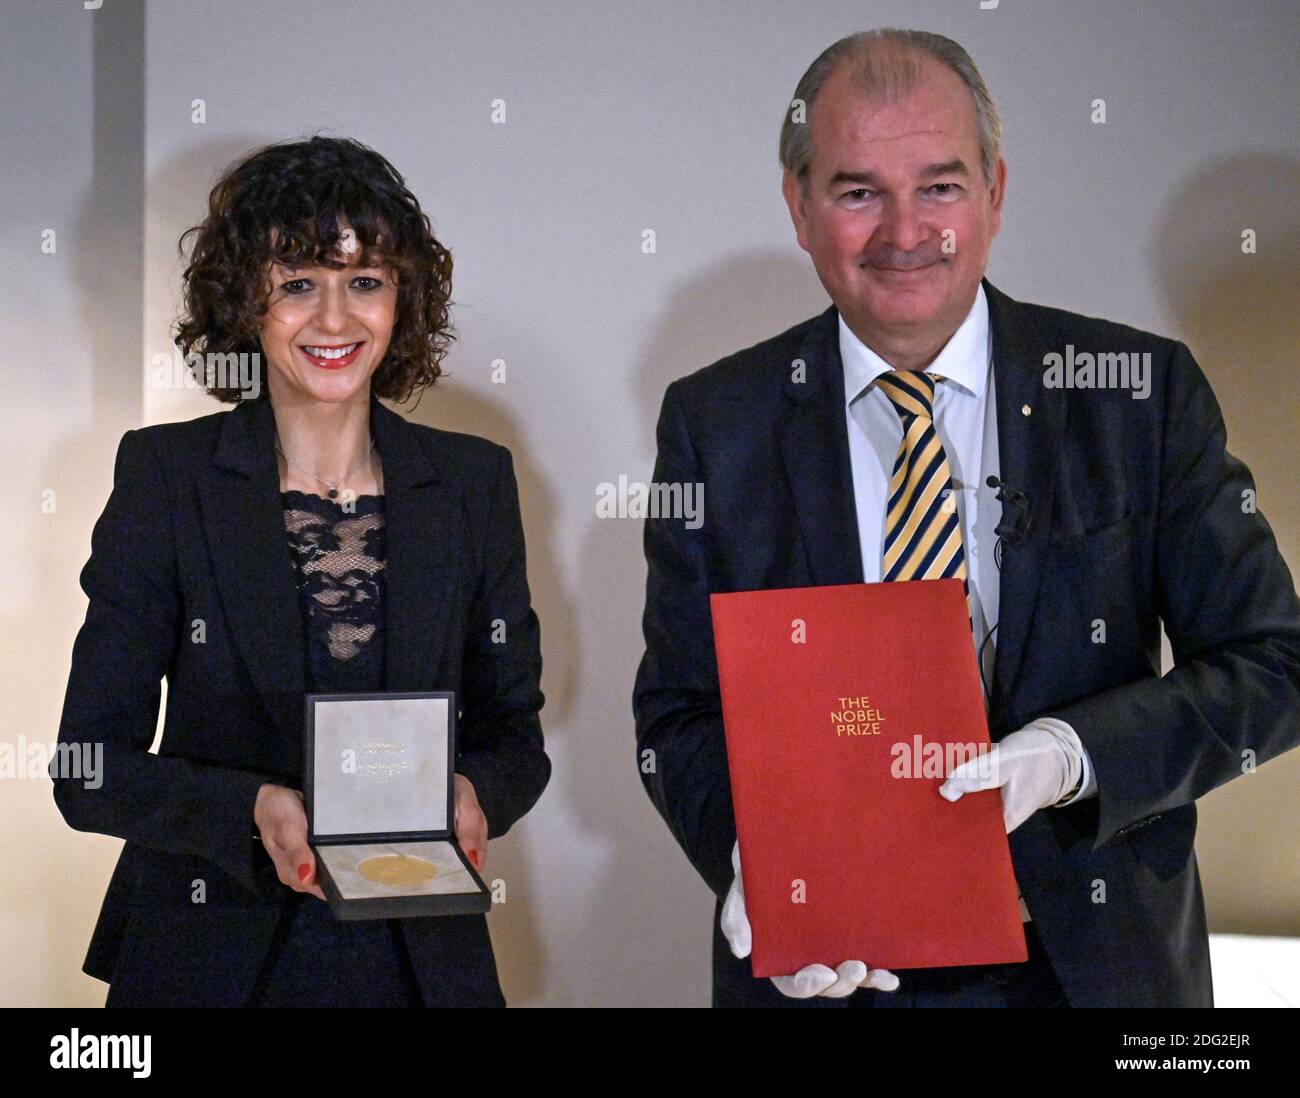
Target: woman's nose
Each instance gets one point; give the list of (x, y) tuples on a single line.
[(332, 312)]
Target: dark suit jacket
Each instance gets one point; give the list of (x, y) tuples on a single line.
[(1138, 516), (194, 529)]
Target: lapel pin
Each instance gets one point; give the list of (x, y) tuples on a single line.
[(1025, 409)]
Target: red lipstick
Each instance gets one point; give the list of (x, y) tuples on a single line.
[(331, 361)]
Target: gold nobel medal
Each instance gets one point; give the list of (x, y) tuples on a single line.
[(397, 870)]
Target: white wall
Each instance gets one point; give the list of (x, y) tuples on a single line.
[(620, 118)]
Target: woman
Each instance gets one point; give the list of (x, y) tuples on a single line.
[(309, 540)]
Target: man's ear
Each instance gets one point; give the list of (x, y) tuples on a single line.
[(794, 200), (999, 190)]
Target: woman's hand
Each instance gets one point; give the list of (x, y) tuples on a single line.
[(471, 825), (282, 822)]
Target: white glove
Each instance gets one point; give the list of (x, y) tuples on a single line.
[(835, 983), (1034, 768)]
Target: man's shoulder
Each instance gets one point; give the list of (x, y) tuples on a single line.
[(1057, 327)]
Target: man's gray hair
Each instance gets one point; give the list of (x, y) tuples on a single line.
[(887, 65)]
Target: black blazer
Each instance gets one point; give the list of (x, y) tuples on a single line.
[(194, 533), (1137, 516)]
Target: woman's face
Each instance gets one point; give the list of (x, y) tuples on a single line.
[(326, 331)]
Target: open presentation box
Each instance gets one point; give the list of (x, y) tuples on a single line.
[(378, 780)]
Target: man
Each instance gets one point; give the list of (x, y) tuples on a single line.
[(829, 453)]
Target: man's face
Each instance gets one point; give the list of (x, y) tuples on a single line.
[(897, 216), (327, 331)]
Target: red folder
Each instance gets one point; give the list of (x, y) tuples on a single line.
[(840, 704)]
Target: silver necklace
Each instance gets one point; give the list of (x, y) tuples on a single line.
[(333, 486)]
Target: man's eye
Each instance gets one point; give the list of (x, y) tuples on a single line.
[(943, 190), (858, 193)]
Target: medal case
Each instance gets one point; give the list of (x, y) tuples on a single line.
[(378, 786)]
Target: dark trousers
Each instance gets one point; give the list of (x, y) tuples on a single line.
[(1032, 984), (320, 961)]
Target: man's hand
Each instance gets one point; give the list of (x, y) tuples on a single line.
[(834, 983), (1034, 768)]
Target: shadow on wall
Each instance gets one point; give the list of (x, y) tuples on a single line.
[(105, 248), (648, 887), (726, 308), (1239, 315), (518, 939)]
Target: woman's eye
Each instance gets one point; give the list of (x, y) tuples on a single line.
[(302, 285)]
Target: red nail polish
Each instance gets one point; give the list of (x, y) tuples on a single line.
[(304, 871)]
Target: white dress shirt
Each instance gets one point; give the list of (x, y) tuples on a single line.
[(965, 419)]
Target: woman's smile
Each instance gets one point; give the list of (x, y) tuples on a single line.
[(331, 356)]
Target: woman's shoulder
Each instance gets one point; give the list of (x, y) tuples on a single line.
[(168, 445), (473, 460), (475, 447), (184, 432), (470, 456)]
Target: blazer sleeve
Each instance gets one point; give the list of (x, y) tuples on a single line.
[(681, 747), (499, 740), (110, 708), (1229, 607)]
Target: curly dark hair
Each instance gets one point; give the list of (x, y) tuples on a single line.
[(283, 204)]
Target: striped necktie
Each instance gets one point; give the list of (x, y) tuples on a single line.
[(922, 526)]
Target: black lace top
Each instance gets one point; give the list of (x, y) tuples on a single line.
[(339, 556)]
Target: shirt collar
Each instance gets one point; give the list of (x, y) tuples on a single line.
[(964, 358)]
